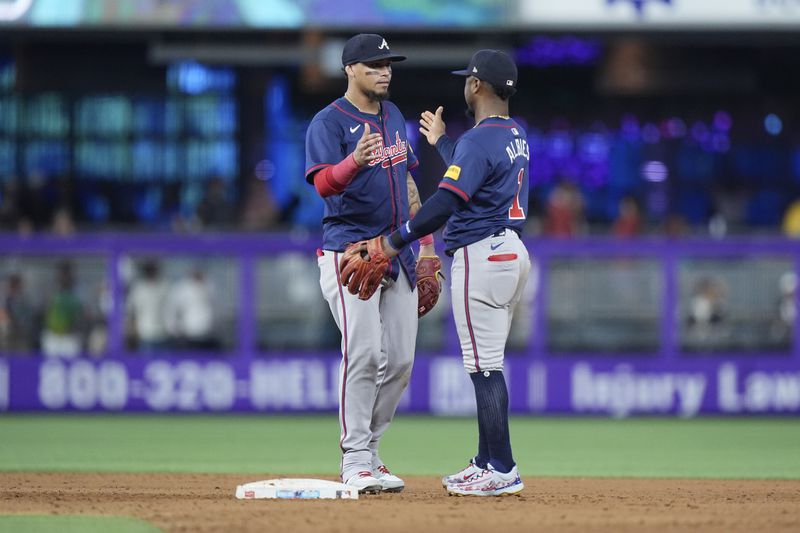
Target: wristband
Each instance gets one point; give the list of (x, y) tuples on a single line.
[(426, 240)]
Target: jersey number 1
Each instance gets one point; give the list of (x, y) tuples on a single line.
[(515, 212)]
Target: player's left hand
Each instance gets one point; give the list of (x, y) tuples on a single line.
[(363, 267), (431, 125), (429, 283)]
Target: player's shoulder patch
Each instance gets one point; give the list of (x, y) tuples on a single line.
[(453, 172)]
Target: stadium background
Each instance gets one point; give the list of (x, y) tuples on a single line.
[(168, 137)]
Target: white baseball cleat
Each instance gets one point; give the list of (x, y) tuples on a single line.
[(365, 482), (464, 475), (389, 482), (489, 482)]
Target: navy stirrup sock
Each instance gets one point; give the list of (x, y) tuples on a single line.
[(494, 442), (483, 447)]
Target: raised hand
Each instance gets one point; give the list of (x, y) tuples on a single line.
[(367, 148), (431, 125)]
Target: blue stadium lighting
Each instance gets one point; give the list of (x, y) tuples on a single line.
[(723, 121), (191, 77), (550, 51), (629, 127), (773, 124), (654, 171), (651, 134), (674, 128), (700, 132), (720, 142)]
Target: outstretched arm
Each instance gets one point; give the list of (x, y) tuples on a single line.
[(426, 246), (433, 128), (430, 217)]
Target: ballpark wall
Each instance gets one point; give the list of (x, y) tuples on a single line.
[(612, 328)]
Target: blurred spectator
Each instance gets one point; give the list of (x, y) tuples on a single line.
[(675, 226), (63, 316), (216, 211), (707, 312), (260, 211), (25, 227), (783, 326), (791, 220), (145, 308), (189, 312), (99, 311), (17, 317), (564, 212), (63, 225), (629, 219), (787, 308)]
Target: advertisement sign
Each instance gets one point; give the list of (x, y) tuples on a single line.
[(438, 386)]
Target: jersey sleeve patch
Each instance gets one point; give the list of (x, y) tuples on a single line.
[(453, 172)]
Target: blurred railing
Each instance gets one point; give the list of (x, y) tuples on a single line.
[(605, 326), (633, 298)]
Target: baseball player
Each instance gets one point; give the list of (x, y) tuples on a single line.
[(358, 158), (483, 197)]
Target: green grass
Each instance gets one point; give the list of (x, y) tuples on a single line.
[(74, 524), (708, 448)]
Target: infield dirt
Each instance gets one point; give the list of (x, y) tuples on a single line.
[(205, 502)]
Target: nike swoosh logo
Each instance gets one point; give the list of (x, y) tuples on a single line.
[(354, 128), (496, 246)]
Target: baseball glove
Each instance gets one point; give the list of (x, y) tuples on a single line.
[(429, 286), (363, 266)]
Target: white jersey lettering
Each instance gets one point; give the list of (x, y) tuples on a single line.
[(518, 148)]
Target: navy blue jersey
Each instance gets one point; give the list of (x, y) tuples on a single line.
[(376, 201), (489, 171)]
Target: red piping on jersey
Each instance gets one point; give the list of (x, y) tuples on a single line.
[(396, 160), (393, 221), (389, 170), (450, 187), (361, 120), (344, 353), (415, 165), (466, 309)]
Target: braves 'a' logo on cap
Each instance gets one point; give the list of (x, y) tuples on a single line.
[(384, 45), (475, 69)]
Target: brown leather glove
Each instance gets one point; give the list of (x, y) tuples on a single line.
[(363, 266), (429, 284)]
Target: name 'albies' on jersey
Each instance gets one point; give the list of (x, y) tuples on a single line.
[(376, 201), (489, 171)]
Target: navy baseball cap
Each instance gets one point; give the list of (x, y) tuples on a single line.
[(366, 47), (494, 66)]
